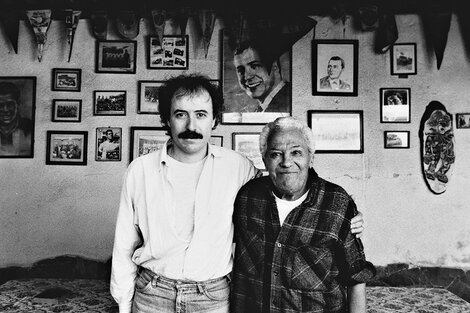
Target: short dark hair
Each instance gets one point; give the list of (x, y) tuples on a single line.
[(266, 58), (187, 84), (7, 88), (337, 58)]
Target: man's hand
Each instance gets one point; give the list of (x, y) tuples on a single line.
[(357, 225)]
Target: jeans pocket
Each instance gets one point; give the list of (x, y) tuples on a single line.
[(143, 282), (217, 292)]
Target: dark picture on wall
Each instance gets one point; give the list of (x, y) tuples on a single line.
[(171, 53), (66, 147), (403, 59), (145, 140), (335, 67), (108, 144), (17, 110), (109, 102), (66, 110), (256, 83), (398, 139), (148, 96), (116, 56), (66, 79), (395, 106), (463, 120)]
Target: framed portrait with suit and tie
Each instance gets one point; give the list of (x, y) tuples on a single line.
[(335, 67)]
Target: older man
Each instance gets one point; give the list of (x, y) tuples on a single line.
[(294, 248)]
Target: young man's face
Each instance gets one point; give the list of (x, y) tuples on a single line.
[(334, 69), (253, 75), (8, 109), (109, 135), (191, 122)]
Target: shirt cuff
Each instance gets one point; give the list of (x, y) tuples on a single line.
[(125, 307)]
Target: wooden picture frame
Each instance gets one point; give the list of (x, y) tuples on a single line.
[(396, 139), (395, 105), (19, 99), (403, 59), (145, 140), (337, 131), (108, 144), (116, 56), (170, 54), (66, 79), (462, 120), (66, 147), (147, 101), (67, 110), (247, 143), (109, 102), (335, 67)]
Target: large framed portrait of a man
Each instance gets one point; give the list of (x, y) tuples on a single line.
[(17, 110), (335, 67), (256, 82)]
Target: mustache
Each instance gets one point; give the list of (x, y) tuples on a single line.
[(189, 134)]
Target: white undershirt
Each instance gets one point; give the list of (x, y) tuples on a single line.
[(285, 206)]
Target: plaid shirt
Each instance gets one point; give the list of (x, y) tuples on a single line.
[(303, 266)]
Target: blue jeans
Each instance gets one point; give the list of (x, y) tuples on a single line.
[(155, 293)]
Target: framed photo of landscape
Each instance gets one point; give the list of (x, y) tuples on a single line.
[(66, 110), (403, 59), (145, 140), (170, 54), (396, 139)]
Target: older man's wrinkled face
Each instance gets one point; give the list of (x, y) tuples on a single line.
[(288, 159)]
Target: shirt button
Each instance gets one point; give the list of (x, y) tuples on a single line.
[(278, 244), (275, 273)]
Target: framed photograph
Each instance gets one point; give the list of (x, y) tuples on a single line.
[(397, 139), (107, 102), (335, 67), (108, 144), (116, 56), (251, 94), (66, 147), (248, 145), (148, 96), (462, 120), (145, 140), (66, 79), (403, 59), (395, 105), (217, 141), (18, 106), (337, 131), (66, 110), (171, 54)]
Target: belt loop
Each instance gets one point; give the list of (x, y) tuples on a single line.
[(200, 289)]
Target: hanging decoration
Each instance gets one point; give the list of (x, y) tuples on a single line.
[(436, 28), (437, 146), (207, 21), (158, 19), (11, 21), (387, 34), (99, 24), (127, 23), (40, 20), (236, 27), (464, 23), (71, 23), (172, 25), (182, 19)]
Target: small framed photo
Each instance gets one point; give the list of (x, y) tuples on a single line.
[(172, 53), (397, 139), (248, 145), (335, 67), (148, 96), (395, 105), (66, 79), (403, 59), (116, 56), (145, 140), (217, 140), (67, 110), (108, 144), (107, 102), (337, 131), (66, 147), (462, 120)]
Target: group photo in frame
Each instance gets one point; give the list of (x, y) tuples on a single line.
[(18, 102), (337, 131), (251, 94), (108, 144), (247, 143), (395, 105), (109, 102), (396, 139), (116, 56), (66, 147), (67, 110), (147, 101), (403, 59), (335, 67), (145, 140), (66, 79), (171, 53)]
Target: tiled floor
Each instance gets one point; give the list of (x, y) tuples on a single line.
[(89, 295)]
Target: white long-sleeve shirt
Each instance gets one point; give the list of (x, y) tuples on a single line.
[(145, 234)]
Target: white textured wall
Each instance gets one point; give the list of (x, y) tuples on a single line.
[(54, 210)]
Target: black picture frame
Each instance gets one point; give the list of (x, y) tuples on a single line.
[(108, 152), (217, 140), (67, 110), (328, 55), (395, 105), (247, 143), (397, 139), (116, 56), (403, 59), (66, 147), (147, 100), (337, 131), (66, 79), (170, 54), (22, 91), (145, 139), (462, 120), (109, 102)]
